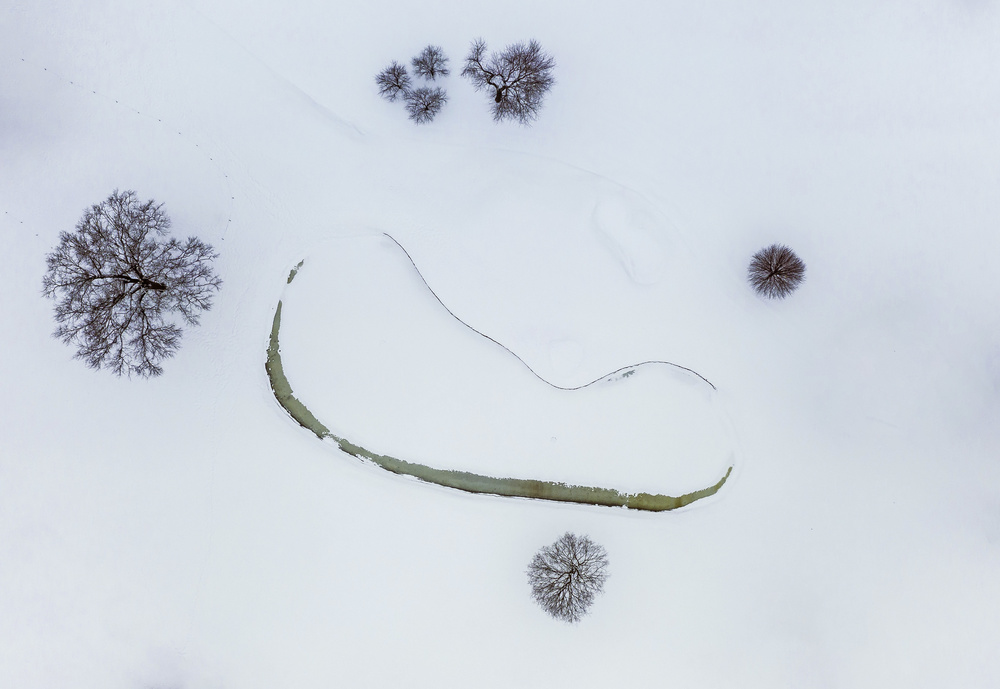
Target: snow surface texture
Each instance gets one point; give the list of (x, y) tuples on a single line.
[(182, 532)]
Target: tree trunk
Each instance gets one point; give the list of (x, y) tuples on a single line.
[(145, 283), (153, 284)]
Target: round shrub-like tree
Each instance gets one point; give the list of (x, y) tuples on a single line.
[(567, 576), (393, 82), (423, 104), (775, 271), (431, 63), (121, 285)]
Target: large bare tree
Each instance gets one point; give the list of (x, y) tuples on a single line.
[(518, 78), (121, 285), (567, 576)]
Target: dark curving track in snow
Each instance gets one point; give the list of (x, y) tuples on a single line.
[(523, 362)]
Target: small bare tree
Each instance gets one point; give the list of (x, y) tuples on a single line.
[(518, 78), (423, 104), (775, 271), (431, 63), (567, 576), (118, 279), (393, 81)]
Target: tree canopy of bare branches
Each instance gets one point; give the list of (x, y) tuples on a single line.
[(567, 576), (423, 104), (775, 271), (120, 284), (518, 78), (393, 81), (431, 63)]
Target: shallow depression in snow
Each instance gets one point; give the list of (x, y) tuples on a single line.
[(627, 228)]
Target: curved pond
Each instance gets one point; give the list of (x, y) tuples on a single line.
[(472, 481)]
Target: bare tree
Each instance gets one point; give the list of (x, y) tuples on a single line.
[(518, 78), (775, 271), (117, 281), (431, 63), (393, 81), (567, 576), (424, 103)]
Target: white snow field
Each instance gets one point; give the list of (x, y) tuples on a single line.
[(185, 533)]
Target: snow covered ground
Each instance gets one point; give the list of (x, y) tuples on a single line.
[(184, 532)]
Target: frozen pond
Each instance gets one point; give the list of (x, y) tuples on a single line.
[(377, 359)]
